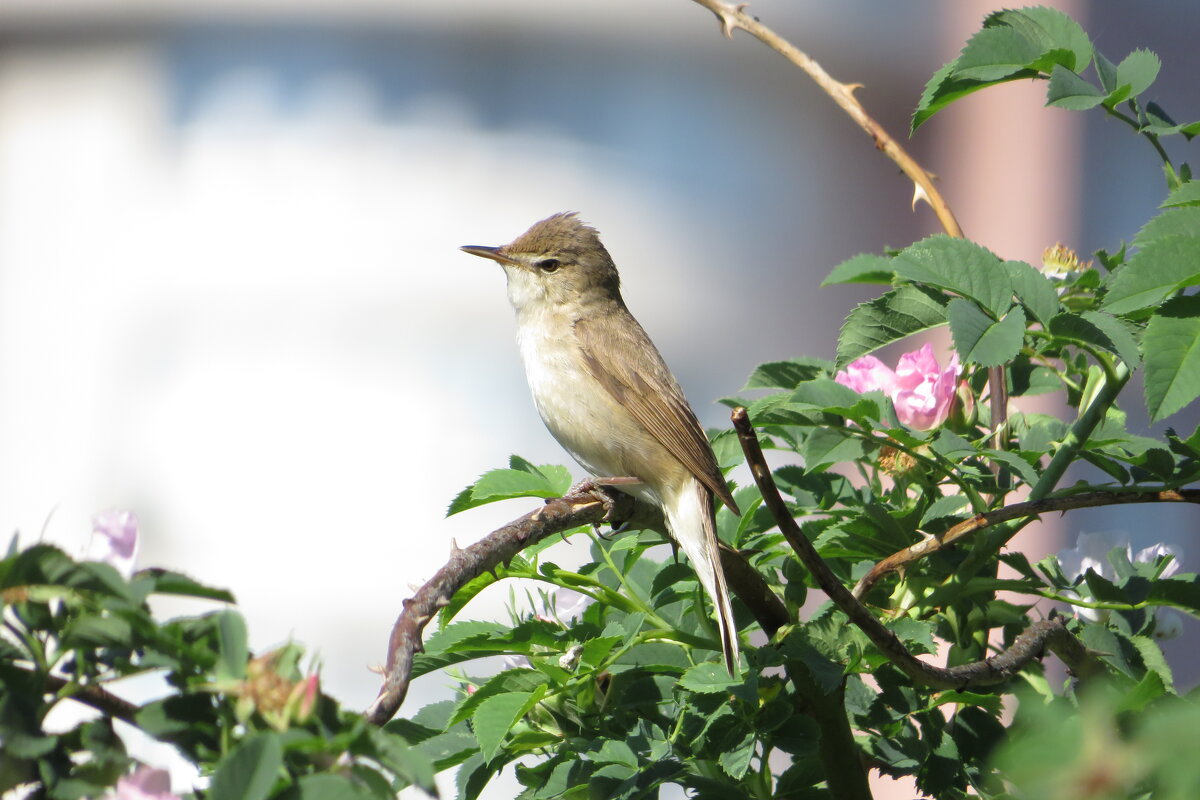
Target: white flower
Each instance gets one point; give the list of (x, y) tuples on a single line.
[(1091, 552)]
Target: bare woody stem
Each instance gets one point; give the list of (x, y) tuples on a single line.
[(97, 697), (1032, 508), (556, 516), (734, 17), (1043, 635)]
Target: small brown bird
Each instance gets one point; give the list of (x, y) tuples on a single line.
[(606, 395)]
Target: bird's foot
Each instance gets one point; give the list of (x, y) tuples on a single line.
[(595, 487)]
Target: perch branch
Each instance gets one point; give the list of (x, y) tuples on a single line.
[(1032, 508), (557, 515), (1050, 634)]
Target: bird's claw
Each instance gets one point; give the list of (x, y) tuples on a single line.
[(595, 487)]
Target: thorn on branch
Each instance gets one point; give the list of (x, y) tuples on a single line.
[(727, 17)]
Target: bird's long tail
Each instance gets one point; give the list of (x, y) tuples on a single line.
[(691, 523)]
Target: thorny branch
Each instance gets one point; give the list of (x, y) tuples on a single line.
[(1050, 634), (97, 697), (733, 17), (556, 516), (1033, 508)]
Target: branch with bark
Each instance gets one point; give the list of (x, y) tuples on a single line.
[(1050, 634), (734, 17), (593, 505), (901, 559)]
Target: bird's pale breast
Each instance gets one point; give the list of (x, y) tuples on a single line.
[(585, 419)]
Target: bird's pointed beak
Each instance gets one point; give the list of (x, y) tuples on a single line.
[(488, 252)]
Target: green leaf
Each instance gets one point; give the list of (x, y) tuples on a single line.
[(886, 319), (1124, 343), (325, 787), (92, 630), (406, 761), (521, 480), (1060, 38), (1172, 356), (798, 645), (176, 583), (980, 340), (1160, 268), (1149, 689), (1012, 44), (709, 677), (824, 393), (1186, 195), (1035, 291), (736, 760), (1137, 71), (945, 506), (250, 770), (1101, 330), (1155, 661), (1181, 221), (1068, 90), (862, 268), (916, 634), (785, 374), (826, 446), (1181, 592), (942, 89), (497, 715), (521, 680), (233, 650), (1106, 71), (615, 751), (994, 54), (453, 636), (959, 266), (1014, 462)]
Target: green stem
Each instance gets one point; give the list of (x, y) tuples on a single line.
[(1077, 437), (998, 536), (1150, 137), (1111, 606)]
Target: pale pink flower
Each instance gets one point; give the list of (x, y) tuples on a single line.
[(146, 783), (116, 539), (920, 389), (867, 374)]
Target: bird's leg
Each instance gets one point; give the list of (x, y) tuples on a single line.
[(594, 486)]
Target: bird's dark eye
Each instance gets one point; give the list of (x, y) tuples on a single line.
[(549, 264)]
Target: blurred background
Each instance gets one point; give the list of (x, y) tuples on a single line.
[(231, 297)]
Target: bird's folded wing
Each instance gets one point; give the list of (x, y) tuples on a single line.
[(651, 395)]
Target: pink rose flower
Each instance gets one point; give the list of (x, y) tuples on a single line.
[(146, 783), (920, 389)]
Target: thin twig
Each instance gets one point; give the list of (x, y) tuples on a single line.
[(97, 697), (1032, 508), (1064, 455), (1048, 634), (733, 17), (499, 547)]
